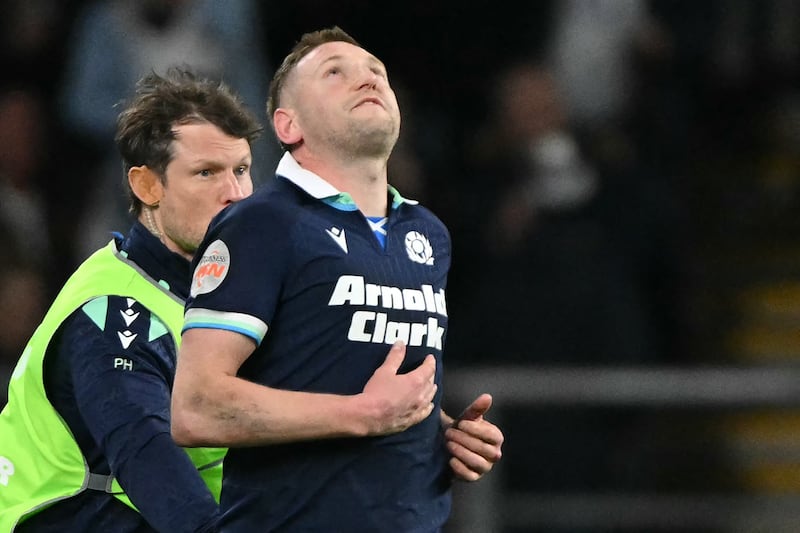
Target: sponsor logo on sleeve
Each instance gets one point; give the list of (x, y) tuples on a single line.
[(211, 269)]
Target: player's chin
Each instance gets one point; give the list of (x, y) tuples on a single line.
[(189, 246)]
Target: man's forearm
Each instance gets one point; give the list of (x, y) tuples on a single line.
[(241, 413)]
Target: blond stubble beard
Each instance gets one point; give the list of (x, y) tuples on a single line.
[(365, 140)]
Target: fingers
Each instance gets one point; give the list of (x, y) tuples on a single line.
[(475, 445), (428, 367), (474, 433), (426, 411), (399, 400), (423, 377), (471, 458), (426, 371), (397, 353), (482, 438), (466, 464), (462, 472)]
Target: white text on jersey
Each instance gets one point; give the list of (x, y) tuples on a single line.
[(369, 326)]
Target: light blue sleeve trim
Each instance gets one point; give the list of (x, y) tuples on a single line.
[(241, 323)]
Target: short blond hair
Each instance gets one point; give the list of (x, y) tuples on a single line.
[(307, 43)]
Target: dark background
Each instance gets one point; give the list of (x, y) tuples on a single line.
[(682, 251)]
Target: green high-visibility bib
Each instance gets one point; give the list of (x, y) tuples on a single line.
[(40, 462)]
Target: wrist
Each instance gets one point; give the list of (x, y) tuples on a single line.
[(360, 415)]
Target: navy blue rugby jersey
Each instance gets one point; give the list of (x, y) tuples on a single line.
[(109, 373), (297, 268)]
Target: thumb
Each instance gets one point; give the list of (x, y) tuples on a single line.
[(395, 357), (477, 408)]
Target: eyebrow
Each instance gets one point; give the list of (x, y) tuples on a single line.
[(216, 163)]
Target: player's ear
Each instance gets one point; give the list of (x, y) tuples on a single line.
[(286, 126), (146, 185)]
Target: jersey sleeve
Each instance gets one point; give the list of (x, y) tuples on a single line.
[(121, 360), (238, 272)]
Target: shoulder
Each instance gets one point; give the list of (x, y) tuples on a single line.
[(122, 320), (272, 202), (271, 215), (417, 214), (112, 333)]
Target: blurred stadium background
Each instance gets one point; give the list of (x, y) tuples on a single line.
[(622, 182)]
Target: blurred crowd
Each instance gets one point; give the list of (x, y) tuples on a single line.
[(575, 148)]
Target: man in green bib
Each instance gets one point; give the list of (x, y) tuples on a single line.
[(84, 438)]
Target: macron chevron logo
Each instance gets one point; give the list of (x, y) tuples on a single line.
[(129, 315), (337, 235), (126, 338)]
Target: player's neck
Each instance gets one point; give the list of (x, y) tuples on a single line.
[(364, 179)]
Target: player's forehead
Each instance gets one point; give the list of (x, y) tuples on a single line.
[(334, 51), (205, 142)]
